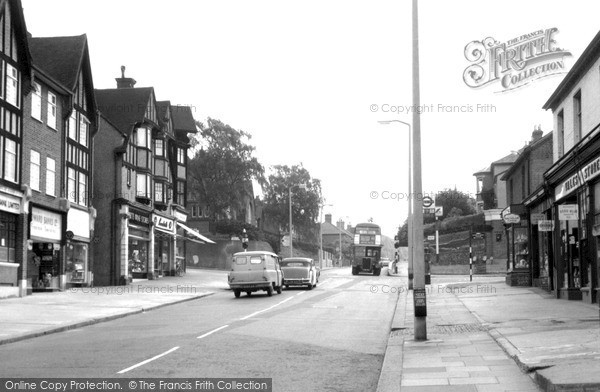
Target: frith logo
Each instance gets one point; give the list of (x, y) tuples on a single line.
[(514, 63)]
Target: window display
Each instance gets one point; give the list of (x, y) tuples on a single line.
[(77, 260)]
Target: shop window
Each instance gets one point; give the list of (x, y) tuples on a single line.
[(77, 262), (138, 257), (8, 232)]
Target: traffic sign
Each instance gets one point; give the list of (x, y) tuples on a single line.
[(430, 237), (427, 201), (439, 211)]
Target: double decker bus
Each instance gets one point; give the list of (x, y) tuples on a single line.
[(366, 249)]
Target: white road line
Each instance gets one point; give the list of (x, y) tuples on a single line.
[(300, 293), (148, 360), (264, 310), (211, 332)]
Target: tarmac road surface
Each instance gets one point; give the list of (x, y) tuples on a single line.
[(331, 338)]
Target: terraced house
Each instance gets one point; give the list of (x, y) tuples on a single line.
[(15, 79), (60, 122), (141, 170)]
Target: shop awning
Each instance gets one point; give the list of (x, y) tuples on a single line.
[(194, 233)]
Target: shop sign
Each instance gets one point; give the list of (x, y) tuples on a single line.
[(587, 172), (10, 203), (136, 217), (163, 224), (180, 216), (568, 212), (535, 218), (511, 218), (78, 222), (545, 225), (46, 224)]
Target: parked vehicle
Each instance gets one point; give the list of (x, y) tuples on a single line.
[(300, 271), (255, 271)]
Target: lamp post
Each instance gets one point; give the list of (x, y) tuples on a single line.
[(410, 203), (419, 297), (301, 186)]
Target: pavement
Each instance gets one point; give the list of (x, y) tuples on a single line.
[(483, 335), (45, 313)]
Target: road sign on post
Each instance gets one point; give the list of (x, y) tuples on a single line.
[(439, 211), (427, 202)]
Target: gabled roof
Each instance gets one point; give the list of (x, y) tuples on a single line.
[(581, 66), (18, 20), (328, 228), (124, 107), (59, 57), (183, 120)]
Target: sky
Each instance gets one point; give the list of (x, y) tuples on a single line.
[(310, 80)]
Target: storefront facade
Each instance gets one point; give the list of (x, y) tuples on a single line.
[(164, 244), (576, 214), (139, 238), (541, 226), (45, 267), (12, 242), (80, 225)]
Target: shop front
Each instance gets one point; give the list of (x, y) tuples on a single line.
[(77, 263), (164, 237), (519, 262), (10, 208), (541, 226), (138, 229), (45, 270), (577, 232)]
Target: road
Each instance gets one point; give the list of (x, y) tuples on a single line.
[(331, 338)]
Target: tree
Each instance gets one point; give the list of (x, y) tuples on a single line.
[(305, 203), (223, 166), (455, 203)]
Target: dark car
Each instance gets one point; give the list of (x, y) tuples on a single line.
[(300, 271)]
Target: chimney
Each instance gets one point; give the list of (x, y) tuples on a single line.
[(340, 224), (536, 134), (124, 82), (328, 218), (349, 228)]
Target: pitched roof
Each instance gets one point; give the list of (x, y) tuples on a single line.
[(59, 57), (487, 169), (581, 66), (328, 228), (183, 120), (124, 107), (510, 158)]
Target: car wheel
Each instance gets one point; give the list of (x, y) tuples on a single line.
[(248, 293), (354, 271), (237, 293), (310, 286), (278, 289), (270, 291)]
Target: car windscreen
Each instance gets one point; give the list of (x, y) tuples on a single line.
[(294, 264)]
